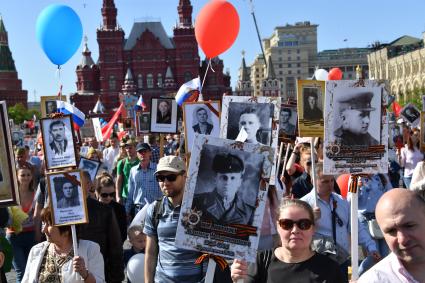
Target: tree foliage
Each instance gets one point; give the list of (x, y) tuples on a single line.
[(19, 113)]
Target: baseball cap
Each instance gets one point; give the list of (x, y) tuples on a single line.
[(171, 163), (143, 146)]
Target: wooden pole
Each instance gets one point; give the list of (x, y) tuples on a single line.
[(209, 277), (354, 235), (313, 170)]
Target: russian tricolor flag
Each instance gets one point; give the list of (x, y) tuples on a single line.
[(140, 104), (186, 91), (77, 116)]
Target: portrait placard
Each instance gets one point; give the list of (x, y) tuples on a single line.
[(201, 118), (259, 116), (89, 165), (411, 114), (143, 122), (9, 194), (58, 142), (356, 128), (18, 138), (48, 104), (163, 115), (67, 198), (311, 98), (224, 197), (288, 120)]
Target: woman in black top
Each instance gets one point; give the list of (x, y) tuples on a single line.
[(293, 261)]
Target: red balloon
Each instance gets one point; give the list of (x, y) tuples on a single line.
[(216, 27), (342, 182), (335, 74)]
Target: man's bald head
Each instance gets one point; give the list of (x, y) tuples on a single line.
[(401, 217)]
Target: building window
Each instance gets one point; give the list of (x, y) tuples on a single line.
[(280, 59), (159, 79), (289, 65), (280, 66), (289, 72), (298, 72), (187, 76), (140, 80), (298, 51), (298, 58), (298, 65), (280, 73), (289, 58), (149, 81), (112, 82)]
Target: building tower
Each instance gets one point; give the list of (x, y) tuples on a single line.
[(10, 86), (243, 87), (270, 86)]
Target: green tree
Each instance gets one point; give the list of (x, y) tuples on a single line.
[(19, 113)]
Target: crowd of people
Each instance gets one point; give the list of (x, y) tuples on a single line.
[(301, 240)]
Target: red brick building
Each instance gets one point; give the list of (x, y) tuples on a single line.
[(159, 64), (10, 86)]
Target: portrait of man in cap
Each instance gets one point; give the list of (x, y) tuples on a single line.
[(353, 115), (311, 109), (224, 204)]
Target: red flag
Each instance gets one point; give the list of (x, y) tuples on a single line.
[(396, 108), (107, 129)]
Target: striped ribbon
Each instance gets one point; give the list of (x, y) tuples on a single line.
[(354, 182), (213, 110), (73, 179), (221, 262)]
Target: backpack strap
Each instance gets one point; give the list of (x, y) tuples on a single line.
[(157, 212)]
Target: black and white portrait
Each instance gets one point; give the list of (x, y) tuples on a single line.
[(50, 107), (201, 118), (67, 198), (89, 165), (163, 115), (255, 119), (312, 104), (48, 104), (287, 120), (18, 138), (224, 192), (58, 142), (143, 122), (411, 114), (9, 194), (356, 130)]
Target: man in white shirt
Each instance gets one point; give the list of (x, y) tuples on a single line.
[(110, 153), (401, 216)]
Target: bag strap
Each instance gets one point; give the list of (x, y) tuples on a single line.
[(157, 212), (334, 202)]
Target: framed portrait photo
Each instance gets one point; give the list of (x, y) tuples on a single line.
[(143, 122), (224, 193), (310, 94), (411, 114), (48, 104), (89, 165), (288, 120), (9, 194), (67, 198), (356, 128), (58, 142), (163, 115), (201, 118)]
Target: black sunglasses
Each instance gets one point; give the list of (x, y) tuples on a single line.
[(288, 224), (105, 195), (170, 178)]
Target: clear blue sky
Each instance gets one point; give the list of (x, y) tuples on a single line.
[(361, 22)]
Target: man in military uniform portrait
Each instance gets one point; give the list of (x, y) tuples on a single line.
[(310, 109), (224, 205), (354, 118), (285, 125)]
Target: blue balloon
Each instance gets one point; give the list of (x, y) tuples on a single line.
[(59, 32)]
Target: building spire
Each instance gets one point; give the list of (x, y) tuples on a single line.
[(6, 59), (243, 73), (86, 60), (109, 15), (185, 13), (270, 69), (3, 33)]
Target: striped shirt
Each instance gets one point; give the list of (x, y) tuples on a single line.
[(174, 264), (142, 185)]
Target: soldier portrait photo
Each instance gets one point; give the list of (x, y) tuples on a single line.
[(227, 186), (312, 108), (354, 119), (67, 197), (89, 165), (201, 118), (410, 114), (287, 120), (163, 116)]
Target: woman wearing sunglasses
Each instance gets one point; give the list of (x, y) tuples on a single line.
[(105, 192), (293, 261)]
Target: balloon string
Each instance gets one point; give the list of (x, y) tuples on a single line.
[(58, 74), (201, 98)]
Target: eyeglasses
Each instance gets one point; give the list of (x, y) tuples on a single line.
[(105, 195), (170, 178), (288, 224)]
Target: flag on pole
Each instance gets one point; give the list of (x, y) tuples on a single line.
[(140, 104), (77, 116), (60, 91), (189, 91), (99, 108), (396, 108), (107, 129)]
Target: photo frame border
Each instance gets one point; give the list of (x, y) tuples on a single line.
[(10, 159), (44, 142), (174, 118), (83, 191), (44, 99), (139, 131), (186, 144)]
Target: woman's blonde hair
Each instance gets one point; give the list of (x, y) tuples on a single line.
[(285, 203)]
